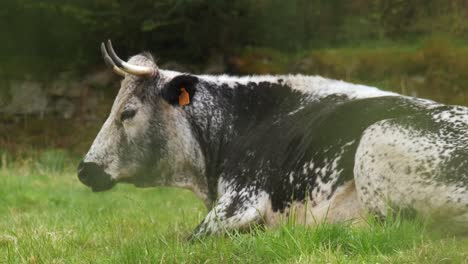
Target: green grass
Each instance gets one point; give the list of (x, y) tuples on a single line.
[(47, 216)]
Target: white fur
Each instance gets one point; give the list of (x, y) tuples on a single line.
[(398, 166), (316, 86)]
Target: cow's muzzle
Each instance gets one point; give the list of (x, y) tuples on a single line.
[(94, 176)]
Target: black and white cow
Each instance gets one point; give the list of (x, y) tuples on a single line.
[(257, 149)]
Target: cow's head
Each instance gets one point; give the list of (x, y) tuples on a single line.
[(146, 140)]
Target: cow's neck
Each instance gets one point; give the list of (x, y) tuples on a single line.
[(221, 113)]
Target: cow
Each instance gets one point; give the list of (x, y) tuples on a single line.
[(261, 149)]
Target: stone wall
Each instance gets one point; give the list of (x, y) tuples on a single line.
[(65, 96), (68, 94)]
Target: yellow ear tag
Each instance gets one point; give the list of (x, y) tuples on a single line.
[(184, 98)]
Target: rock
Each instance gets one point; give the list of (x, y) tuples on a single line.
[(65, 85), (65, 108), (27, 97), (57, 88), (74, 89), (99, 78), (63, 88), (92, 108), (5, 96)]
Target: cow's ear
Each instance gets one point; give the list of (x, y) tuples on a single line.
[(180, 90)]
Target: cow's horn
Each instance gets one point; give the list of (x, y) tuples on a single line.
[(109, 61), (117, 63)]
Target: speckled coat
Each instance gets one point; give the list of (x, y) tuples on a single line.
[(263, 149)]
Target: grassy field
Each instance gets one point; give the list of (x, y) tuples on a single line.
[(47, 216)]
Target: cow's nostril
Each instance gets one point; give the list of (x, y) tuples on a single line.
[(83, 174), (88, 172), (94, 176)]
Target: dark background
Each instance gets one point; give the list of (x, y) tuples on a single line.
[(55, 91)]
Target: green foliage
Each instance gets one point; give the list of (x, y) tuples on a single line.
[(67, 33)]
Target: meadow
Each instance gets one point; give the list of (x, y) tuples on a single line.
[(417, 48), (48, 216)]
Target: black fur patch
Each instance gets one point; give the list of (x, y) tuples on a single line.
[(267, 142)]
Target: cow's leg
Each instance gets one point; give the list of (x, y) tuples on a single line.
[(234, 210)]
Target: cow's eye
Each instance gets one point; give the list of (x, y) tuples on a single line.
[(127, 114)]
